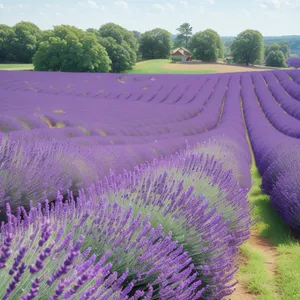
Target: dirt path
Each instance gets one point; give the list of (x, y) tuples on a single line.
[(269, 253), (140, 62), (219, 68)]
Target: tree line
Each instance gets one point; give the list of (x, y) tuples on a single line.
[(112, 48)]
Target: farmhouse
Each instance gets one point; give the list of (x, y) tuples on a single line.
[(180, 54)]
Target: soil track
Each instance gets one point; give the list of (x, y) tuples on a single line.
[(269, 252), (219, 68)]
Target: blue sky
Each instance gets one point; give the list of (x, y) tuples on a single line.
[(227, 17)]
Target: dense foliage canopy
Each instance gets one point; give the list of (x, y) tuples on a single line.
[(155, 44), (275, 58), (206, 46), (247, 48), (282, 46), (70, 49), (185, 32), (20, 42)]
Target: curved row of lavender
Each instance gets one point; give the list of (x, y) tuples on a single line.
[(293, 62), (279, 118), (288, 103), (126, 221), (191, 254), (291, 87), (276, 155), (143, 132)]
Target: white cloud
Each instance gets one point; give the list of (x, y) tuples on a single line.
[(90, 4), (163, 7), (20, 5), (208, 1), (263, 5), (169, 5), (246, 12), (42, 14), (121, 3), (58, 14), (183, 2), (279, 4), (1, 6), (158, 6), (93, 4), (48, 5)]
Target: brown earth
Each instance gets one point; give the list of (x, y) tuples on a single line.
[(269, 252), (140, 62), (219, 68)]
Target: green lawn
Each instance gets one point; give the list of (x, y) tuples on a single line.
[(16, 67), (156, 66), (285, 282)]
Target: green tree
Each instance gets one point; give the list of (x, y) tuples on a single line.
[(155, 44), (7, 36), (120, 34), (185, 32), (46, 34), (281, 46), (125, 46), (247, 48), (70, 49), (136, 34), (92, 30), (26, 42), (119, 55), (275, 58), (206, 46)]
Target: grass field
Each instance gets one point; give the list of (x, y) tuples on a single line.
[(16, 67), (272, 255), (164, 66)]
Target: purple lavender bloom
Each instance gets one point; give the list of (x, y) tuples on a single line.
[(174, 192), (35, 170), (293, 62), (64, 270)]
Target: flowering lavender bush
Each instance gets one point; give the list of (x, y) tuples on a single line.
[(286, 195), (176, 192), (277, 157), (33, 170), (230, 154), (61, 252), (293, 62)]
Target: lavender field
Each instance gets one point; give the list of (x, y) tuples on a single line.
[(136, 186)]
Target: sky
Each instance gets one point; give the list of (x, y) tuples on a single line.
[(227, 17)]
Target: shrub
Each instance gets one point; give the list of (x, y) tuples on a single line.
[(60, 253), (293, 62)]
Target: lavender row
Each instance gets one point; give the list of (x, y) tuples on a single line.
[(288, 103), (290, 86), (273, 112), (208, 227), (274, 158)]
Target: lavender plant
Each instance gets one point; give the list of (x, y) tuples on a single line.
[(293, 62), (230, 154), (201, 204), (92, 251), (33, 170)]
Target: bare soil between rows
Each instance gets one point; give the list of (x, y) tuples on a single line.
[(269, 252)]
